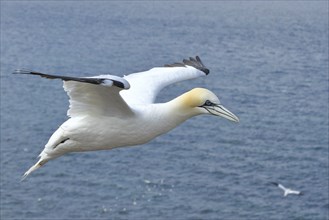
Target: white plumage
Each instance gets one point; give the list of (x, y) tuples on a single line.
[(108, 111), (287, 191)]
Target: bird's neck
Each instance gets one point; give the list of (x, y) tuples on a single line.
[(163, 117), (181, 107)]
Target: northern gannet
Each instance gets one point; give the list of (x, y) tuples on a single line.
[(109, 111), (287, 191)]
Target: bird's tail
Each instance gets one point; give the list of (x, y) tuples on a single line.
[(41, 162)]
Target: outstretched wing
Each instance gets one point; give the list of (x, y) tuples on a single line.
[(109, 95), (97, 95), (282, 187), (146, 85), (279, 185)]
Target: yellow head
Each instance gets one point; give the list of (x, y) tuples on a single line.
[(202, 101)]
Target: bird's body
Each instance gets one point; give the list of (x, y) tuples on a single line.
[(287, 191), (89, 134), (109, 111)]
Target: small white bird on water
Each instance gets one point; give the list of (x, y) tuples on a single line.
[(287, 191), (108, 111)]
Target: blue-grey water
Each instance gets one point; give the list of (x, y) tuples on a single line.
[(269, 65)]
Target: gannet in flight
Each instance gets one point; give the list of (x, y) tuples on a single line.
[(109, 111), (287, 191)]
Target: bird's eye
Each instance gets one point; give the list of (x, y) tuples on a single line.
[(208, 103)]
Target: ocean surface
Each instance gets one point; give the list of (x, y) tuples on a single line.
[(268, 63)]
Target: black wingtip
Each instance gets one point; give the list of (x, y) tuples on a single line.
[(90, 80), (274, 183), (22, 71), (30, 72), (194, 62)]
